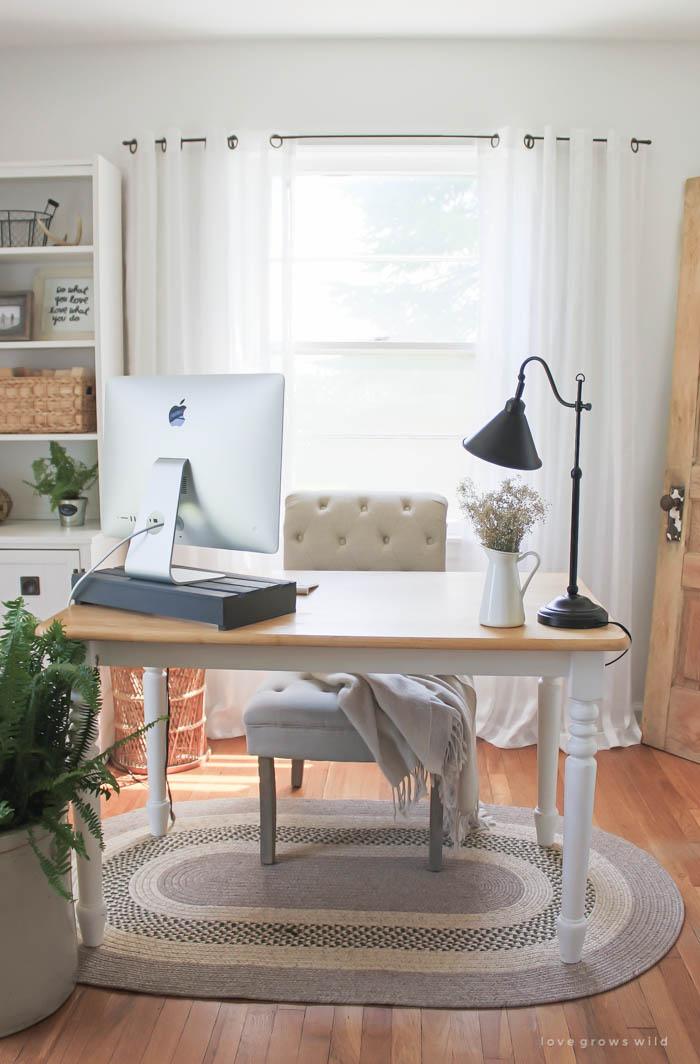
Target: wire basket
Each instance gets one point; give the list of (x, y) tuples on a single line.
[(19, 229), (187, 739)]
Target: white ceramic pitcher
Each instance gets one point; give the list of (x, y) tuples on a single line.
[(502, 601)]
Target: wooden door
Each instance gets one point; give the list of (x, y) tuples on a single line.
[(671, 716)]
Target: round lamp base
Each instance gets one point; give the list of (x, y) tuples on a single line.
[(573, 611)]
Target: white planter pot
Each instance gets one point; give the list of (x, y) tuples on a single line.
[(37, 936)]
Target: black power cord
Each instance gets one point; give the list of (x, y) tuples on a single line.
[(626, 650)]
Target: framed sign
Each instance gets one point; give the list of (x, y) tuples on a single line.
[(15, 316), (64, 303)]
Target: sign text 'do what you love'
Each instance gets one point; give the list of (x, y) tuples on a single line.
[(67, 307)]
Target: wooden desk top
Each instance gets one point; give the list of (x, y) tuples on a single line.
[(367, 609)]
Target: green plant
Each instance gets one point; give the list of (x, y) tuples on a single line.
[(49, 706), (502, 517), (60, 476)]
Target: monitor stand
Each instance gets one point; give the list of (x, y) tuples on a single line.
[(150, 555), (148, 583)]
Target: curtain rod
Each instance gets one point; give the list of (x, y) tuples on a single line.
[(133, 144), (277, 139)]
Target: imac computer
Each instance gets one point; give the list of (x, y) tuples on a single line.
[(192, 460)]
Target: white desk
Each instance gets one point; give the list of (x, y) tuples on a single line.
[(423, 623)]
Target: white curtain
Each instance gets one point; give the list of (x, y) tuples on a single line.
[(207, 262), (199, 293), (560, 279)]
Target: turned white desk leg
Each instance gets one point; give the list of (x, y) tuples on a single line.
[(90, 908), (548, 729), (585, 690), (155, 704)]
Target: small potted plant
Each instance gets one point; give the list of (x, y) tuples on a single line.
[(49, 705), (63, 479), (501, 519)]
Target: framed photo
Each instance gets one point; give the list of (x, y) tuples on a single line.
[(64, 303), (15, 316)]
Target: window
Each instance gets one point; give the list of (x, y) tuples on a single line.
[(384, 291)]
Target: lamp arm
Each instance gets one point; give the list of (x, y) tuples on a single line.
[(521, 384), (576, 473)]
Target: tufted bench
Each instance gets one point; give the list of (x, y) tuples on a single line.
[(289, 716), (365, 531)]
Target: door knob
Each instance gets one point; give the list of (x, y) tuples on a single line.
[(672, 504)]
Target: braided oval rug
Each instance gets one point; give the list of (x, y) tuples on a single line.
[(351, 914)]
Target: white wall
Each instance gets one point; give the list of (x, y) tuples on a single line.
[(73, 102)]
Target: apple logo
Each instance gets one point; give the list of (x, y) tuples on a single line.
[(176, 415)]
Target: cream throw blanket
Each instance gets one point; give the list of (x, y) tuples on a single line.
[(415, 725)]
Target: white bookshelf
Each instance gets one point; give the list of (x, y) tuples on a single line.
[(48, 256), (44, 437), (28, 535), (91, 188), (47, 345)]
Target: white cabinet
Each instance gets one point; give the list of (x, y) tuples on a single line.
[(39, 576), (92, 189), (37, 563)]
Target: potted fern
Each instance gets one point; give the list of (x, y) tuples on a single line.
[(49, 705), (63, 479)]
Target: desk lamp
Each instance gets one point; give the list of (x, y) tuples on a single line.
[(507, 441)]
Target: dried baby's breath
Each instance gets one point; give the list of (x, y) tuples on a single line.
[(503, 517)]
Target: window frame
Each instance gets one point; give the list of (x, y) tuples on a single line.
[(367, 158), (407, 161)]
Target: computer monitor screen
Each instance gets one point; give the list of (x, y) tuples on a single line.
[(223, 436)]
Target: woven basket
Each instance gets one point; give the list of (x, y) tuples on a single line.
[(187, 739), (48, 401)]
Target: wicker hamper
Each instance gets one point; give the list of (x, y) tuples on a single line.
[(187, 739), (35, 401)]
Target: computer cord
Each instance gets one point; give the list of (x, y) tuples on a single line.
[(104, 558), (627, 632)]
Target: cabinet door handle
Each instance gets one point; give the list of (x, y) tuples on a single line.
[(29, 585)]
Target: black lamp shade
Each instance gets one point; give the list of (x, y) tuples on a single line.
[(506, 440)]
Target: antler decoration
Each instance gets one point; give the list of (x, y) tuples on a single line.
[(63, 241)]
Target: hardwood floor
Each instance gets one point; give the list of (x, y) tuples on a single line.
[(650, 798)]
